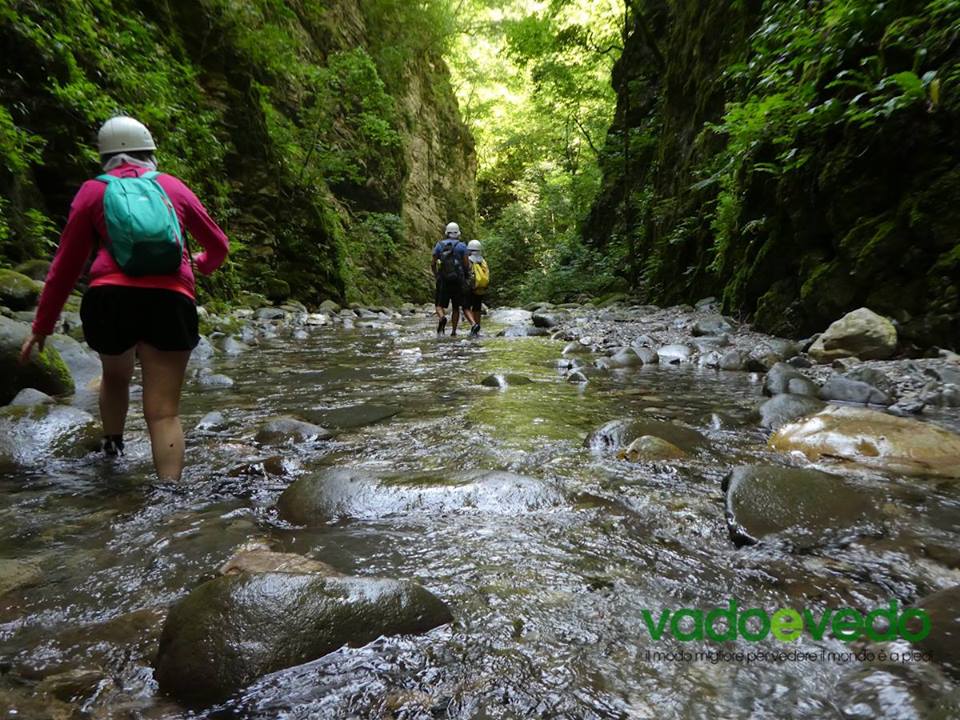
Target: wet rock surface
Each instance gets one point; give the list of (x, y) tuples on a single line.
[(806, 507), (233, 630), (874, 439), (45, 371), (618, 434), (281, 430), (346, 493)]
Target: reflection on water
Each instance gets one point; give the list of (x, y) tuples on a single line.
[(547, 603)]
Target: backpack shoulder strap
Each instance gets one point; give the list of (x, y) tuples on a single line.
[(150, 175), (105, 179)]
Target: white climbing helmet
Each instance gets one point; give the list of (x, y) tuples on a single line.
[(474, 246), (124, 134), (453, 230)]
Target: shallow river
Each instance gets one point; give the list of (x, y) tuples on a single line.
[(548, 604)]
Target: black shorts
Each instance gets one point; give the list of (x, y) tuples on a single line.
[(472, 301), (449, 292), (116, 318)]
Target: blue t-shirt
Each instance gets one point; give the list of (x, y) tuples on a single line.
[(459, 250)]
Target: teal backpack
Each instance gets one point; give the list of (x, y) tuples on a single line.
[(142, 226)]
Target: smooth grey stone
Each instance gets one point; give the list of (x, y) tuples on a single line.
[(785, 408), (844, 389)]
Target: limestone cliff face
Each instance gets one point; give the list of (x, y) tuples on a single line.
[(441, 164), (331, 156), (791, 159)]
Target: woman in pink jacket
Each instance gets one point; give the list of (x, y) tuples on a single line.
[(150, 317)]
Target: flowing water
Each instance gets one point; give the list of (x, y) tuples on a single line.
[(548, 603)]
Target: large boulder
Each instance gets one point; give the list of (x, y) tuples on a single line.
[(237, 628), (647, 448), (873, 439), (18, 292), (620, 434), (862, 334), (346, 493), (806, 507), (29, 435), (45, 371)]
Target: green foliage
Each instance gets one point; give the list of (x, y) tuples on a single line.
[(533, 83), (286, 129)]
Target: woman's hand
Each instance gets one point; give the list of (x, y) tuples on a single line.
[(32, 339)]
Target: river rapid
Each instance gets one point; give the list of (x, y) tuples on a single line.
[(548, 602)]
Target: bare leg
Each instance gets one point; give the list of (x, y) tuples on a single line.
[(115, 391), (455, 318), (163, 374)]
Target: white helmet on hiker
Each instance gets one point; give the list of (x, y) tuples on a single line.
[(124, 134), (474, 246), (453, 230)]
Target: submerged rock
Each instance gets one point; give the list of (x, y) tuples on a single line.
[(498, 380), (353, 415), (30, 434), (237, 628), (649, 447), (290, 429), (232, 346), (874, 439), (807, 507), (943, 642), (212, 381), (862, 334), (619, 434), (260, 558), (16, 574), (345, 493), (785, 408)]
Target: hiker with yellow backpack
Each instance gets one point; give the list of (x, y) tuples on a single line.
[(476, 284)]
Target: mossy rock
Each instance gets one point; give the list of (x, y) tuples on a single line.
[(276, 290), (46, 371), (34, 269), (252, 300), (17, 291)]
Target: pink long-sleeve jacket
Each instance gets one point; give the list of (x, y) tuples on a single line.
[(86, 226)]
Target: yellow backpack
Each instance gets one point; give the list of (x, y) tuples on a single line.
[(481, 277)]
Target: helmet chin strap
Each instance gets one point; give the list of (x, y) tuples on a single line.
[(124, 159)]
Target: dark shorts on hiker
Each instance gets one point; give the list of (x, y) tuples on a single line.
[(448, 292), (116, 318), (472, 301)]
